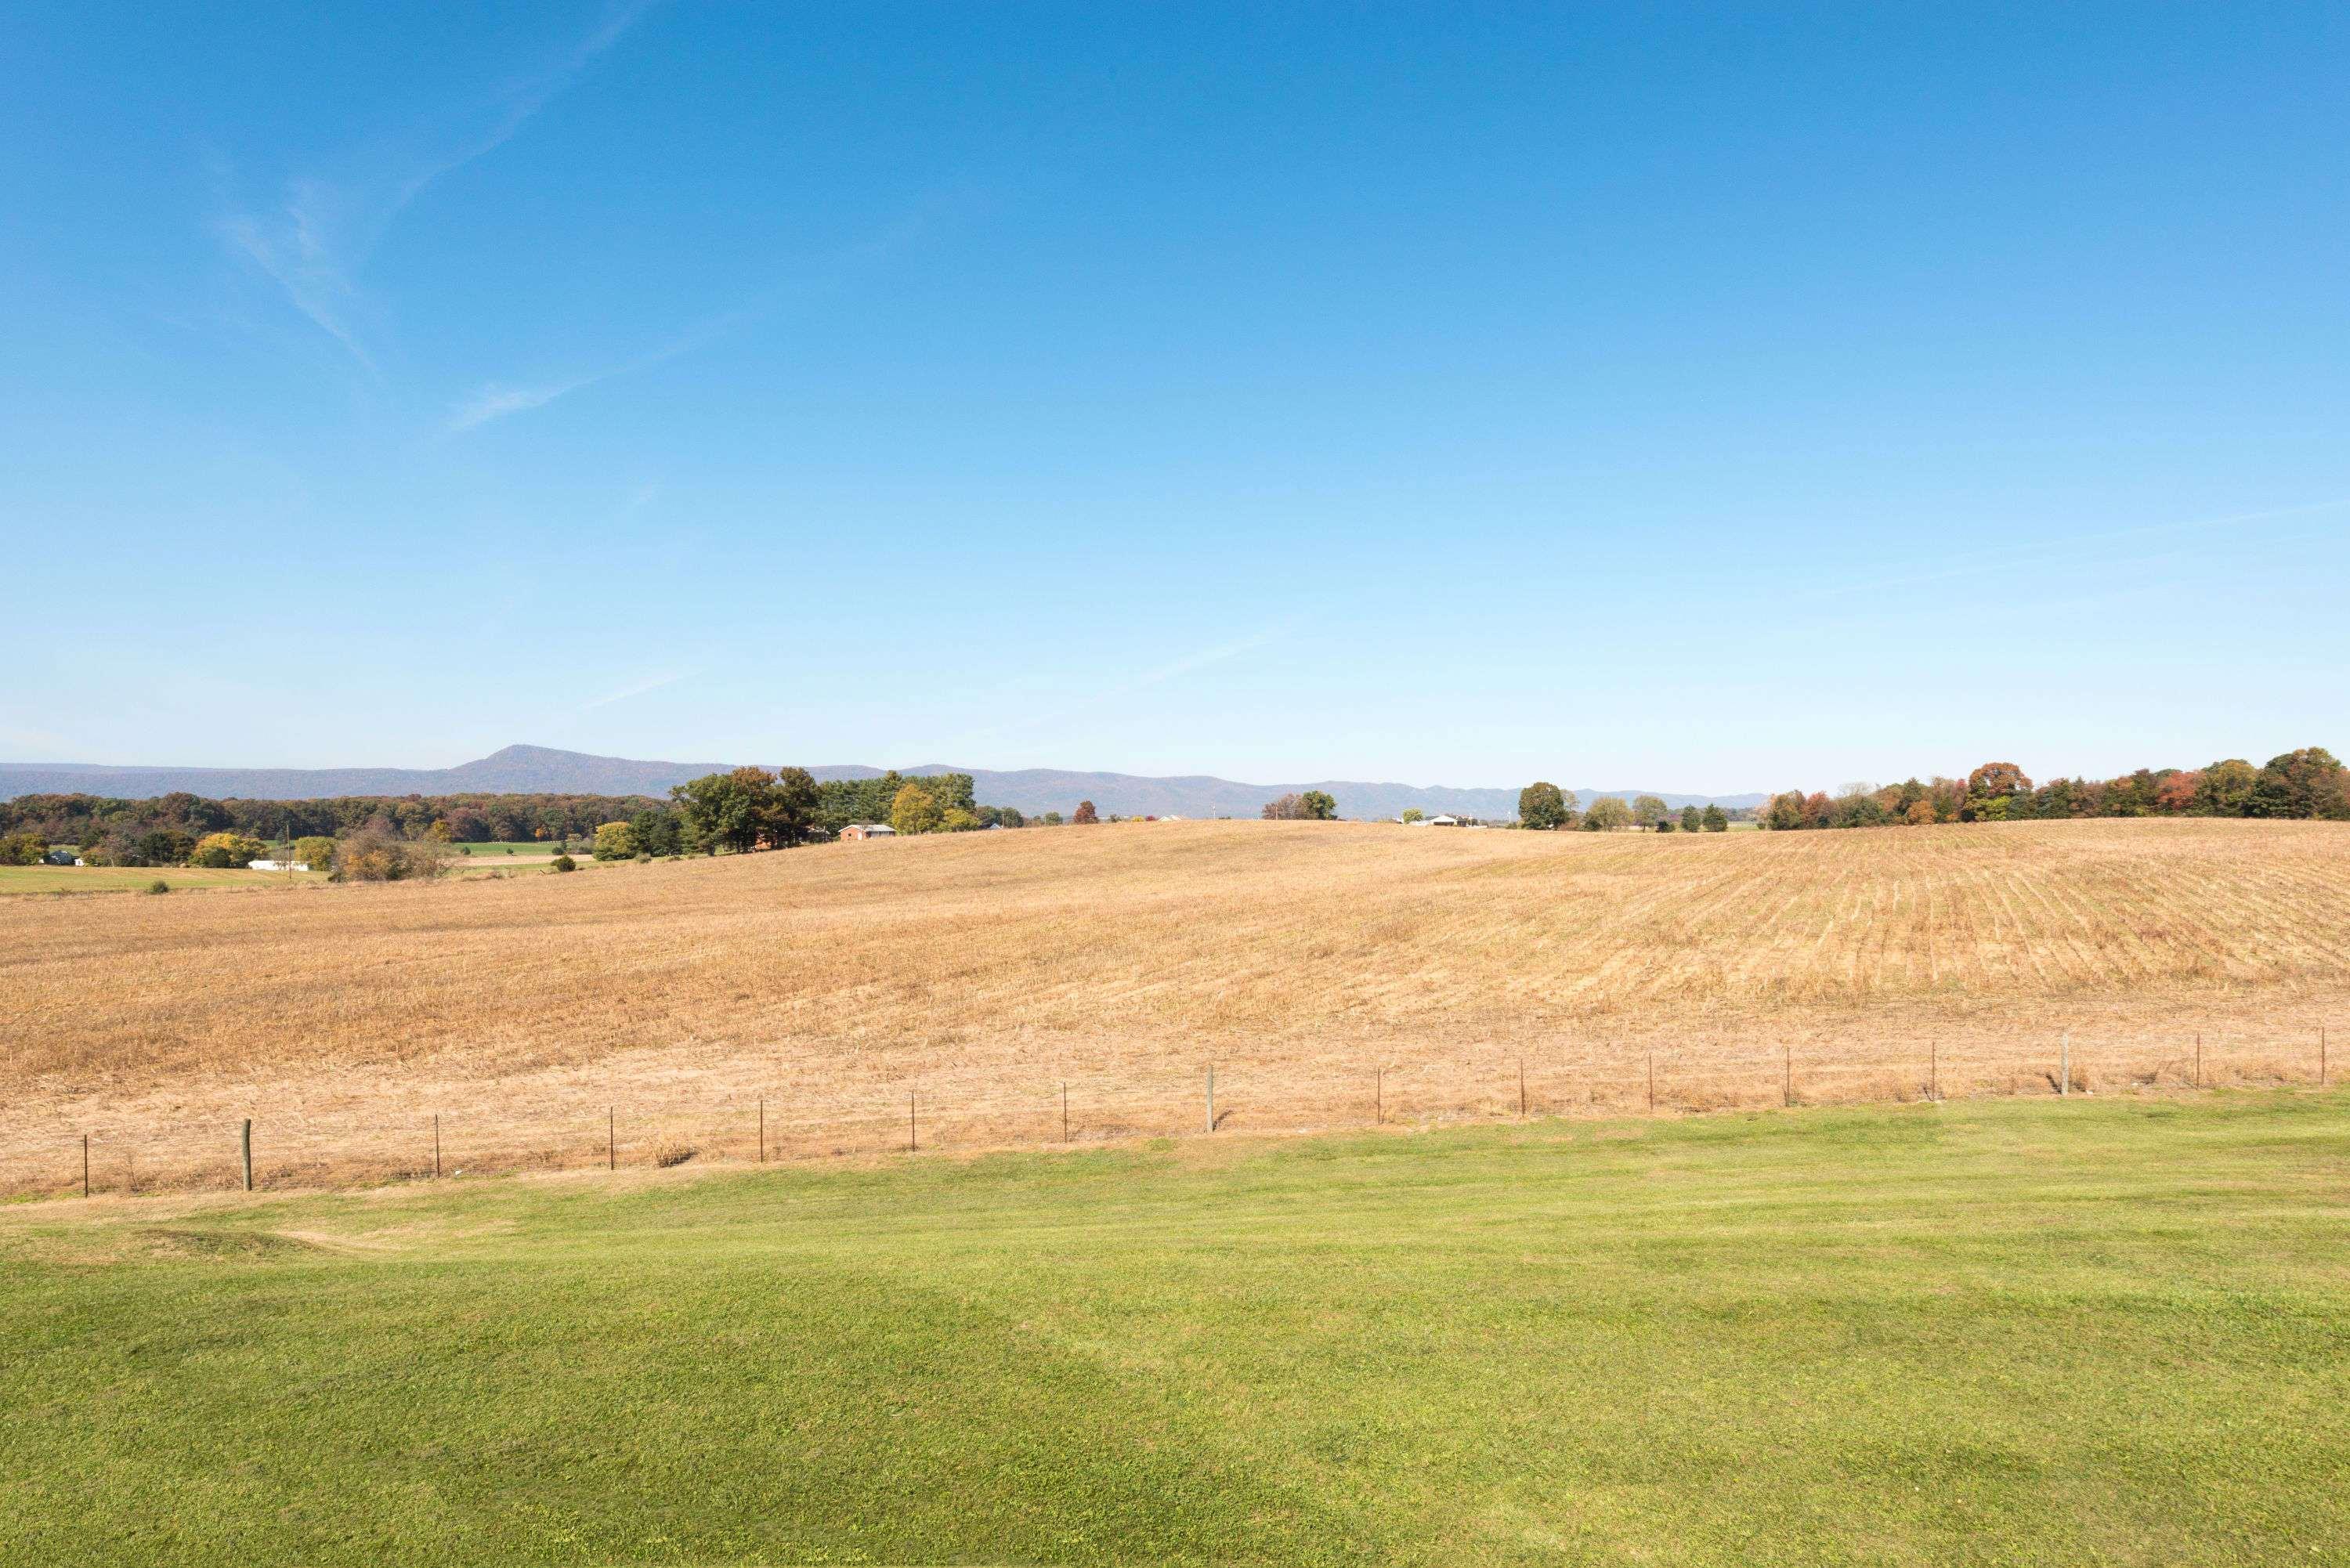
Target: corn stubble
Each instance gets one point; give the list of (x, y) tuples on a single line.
[(977, 973)]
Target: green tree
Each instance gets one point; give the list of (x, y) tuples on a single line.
[(1543, 806), (2306, 783), (1716, 819), (721, 809), (1785, 812), (1606, 814), (315, 852), (2226, 788), (1648, 811), (1317, 806), (615, 841), (1691, 820), (1412, 813), (955, 819)]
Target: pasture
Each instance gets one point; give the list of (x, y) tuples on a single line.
[(35, 879), (2003, 1332), (1331, 973)]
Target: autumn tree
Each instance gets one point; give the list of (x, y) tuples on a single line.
[(218, 851), (1993, 791), (1317, 805), (1543, 806), (1288, 808), (916, 810), (1085, 814), (316, 852), (615, 841)]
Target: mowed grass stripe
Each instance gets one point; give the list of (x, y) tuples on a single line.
[(2000, 1333)]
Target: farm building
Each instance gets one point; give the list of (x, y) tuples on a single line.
[(869, 830)]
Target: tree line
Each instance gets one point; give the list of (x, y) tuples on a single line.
[(2308, 782), (164, 830), (1544, 807)]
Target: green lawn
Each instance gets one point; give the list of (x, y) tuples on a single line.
[(136, 878), (2109, 1331)]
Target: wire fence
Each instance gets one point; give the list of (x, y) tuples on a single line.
[(289, 1147)]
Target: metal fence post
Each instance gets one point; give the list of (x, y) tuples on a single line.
[(85, 1164)]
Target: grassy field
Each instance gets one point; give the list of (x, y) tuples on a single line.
[(1999, 1333), (27, 879), (1316, 965)]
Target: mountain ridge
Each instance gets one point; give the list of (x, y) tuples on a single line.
[(544, 770)]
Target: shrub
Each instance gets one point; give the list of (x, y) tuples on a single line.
[(564, 863), (376, 854), (671, 1152), (159, 886)]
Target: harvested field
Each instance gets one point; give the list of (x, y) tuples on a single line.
[(1329, 972)]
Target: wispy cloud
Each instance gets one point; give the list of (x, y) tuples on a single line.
[(495, 401), (313, 242), (637, 688)]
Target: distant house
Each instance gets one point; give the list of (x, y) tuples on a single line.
[(61, 858), (1440, 820), (869, 830), (276, 865)]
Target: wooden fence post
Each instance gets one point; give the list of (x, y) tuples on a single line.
[(244, 1141), (436, 1145), (762, 1129), (912, 1143), (611, 1138), (1379, 1094), (1064, 1110), (1652, 1083), (1522, 1088), (85, 1164), (1934, 1069), (2198, 1061), (1211, 1096), (2321, 1056), (1787, 1081), (2064, 1065)]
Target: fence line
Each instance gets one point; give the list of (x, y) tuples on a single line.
[(296, 1147)]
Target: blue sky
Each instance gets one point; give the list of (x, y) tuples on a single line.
[(1680, 397)]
